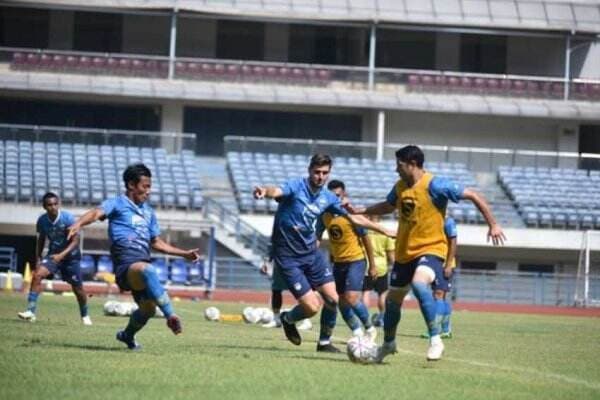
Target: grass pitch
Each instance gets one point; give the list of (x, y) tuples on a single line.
[(492, 356)]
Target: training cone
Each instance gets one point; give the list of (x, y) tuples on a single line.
[(27, 275), (8, 286)]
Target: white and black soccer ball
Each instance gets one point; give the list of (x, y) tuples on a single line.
[(361, 350), (266, 315), (110, 307), (251, 315), (212, 314)]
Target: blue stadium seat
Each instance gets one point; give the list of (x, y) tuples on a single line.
[(179, 271), (105, 264), (160, 264), (88, 267)]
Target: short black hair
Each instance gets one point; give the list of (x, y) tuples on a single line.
[(335, 184), (411, 153), (320, 160), (134, 172), (49, 195)]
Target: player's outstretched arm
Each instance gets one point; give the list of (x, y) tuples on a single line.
[(160, 245), (376, 209), (267, 192), (495, 232), (361, 220), (87, 218)]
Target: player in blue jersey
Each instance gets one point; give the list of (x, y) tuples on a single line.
[(133, 231), (63, 256), (302, 201)]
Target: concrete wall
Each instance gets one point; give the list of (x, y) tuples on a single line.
[(197, 38), (60, 30), (535, 56), (276, 42), (471, 130), (586, 61), (143, 34)]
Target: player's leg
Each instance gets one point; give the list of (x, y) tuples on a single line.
[(400, 279), (340, 273), (142, 276), (446, 314), (381, 288), (137, 320), (71, 272), (429, 271), (278, 285), (328, 317), (352, 295), (41, 271)]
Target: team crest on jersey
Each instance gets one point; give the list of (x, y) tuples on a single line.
[(297, 286), (407, 207), (335, 232), (137, 220), (423, 260)]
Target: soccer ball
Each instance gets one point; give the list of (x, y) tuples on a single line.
[(304, 325), (266, 315), (110, 307), (251, 315), (361, 350), (212, 314)]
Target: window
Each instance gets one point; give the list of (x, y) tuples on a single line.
[(540, 268), (478, 265), (483, 53), (100, 32), (240, 40), (24, 27), (404, 49)]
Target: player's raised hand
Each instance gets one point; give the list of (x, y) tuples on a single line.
[(259, 192), (496, 235), (351, 208), (192, 255)]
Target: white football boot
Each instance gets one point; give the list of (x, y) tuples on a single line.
[(87, 321), (436, 348), (27, 316), (371, 333)]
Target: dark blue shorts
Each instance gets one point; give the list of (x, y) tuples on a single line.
[(349, 276), (70, 270), (302, 274), (121, 278), (402, 274), (441, 282), (277, 281)]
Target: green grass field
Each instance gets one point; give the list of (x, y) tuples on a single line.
[(493, 356)]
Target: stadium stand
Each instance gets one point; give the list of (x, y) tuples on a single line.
[(8, 259), (554, 197), (87, 174)]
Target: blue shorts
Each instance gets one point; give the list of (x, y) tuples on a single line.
[(302, 274), (70, 270), (277, 281), (441, 282), (349, 276), (402, 274)]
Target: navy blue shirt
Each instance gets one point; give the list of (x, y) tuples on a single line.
[(131, 229), (297, 215), (56, 233)]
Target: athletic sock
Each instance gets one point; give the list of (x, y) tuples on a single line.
[(328, 319), (350, 317), (156, 292), (440, 310), (446, 328), (295, 314), (137, 320), (362, 313), (428, 308), (32, 301), (391, 319), (83, 310)]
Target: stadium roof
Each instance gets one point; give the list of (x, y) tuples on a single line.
[(556, 15), (162, 89)]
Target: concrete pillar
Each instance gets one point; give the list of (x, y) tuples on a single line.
[(172, 121), (447, 51), (380, 135), (60, 30), (568, 141), (277, 42)]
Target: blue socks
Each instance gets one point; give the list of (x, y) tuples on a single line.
[(350, 317), (32, 301), (440, 310), (83, 310), (156, 292), (423, 293), (362, 313), (295, 314), (136, 322), (391, 318), (446, 317), (328, 318)]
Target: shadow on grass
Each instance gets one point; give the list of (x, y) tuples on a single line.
[(88, 347)]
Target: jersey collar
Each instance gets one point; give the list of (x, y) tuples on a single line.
[(57, 217)]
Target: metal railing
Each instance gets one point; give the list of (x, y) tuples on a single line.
[(475, 158), (172, 142), (315, 75)]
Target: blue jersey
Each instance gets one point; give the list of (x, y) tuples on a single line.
[(297, 215), (56, 233), (131, 229), (450, 228)]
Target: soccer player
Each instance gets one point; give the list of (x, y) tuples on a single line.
[(442, 285), (383, 253), (295, 253), (421, 245), (63, 256), (133, 230), (350, 248)]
